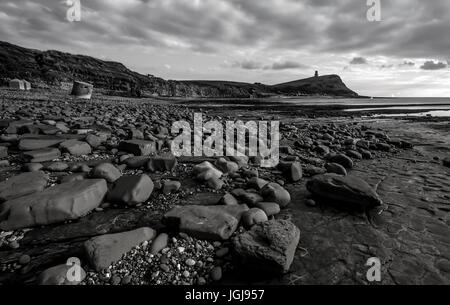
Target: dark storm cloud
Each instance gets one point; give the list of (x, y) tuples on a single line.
[(248, 65), (431, 65), (286, 65), (255, 65), (407, 63), (409, 28), (358, 61)]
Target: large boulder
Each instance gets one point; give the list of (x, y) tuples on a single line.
[(347, 192), (206, 222), (104, 250), (268, 246), (57, 275), (53, 205), (138, 147), (131, 190), (22, 184), (76, 148)]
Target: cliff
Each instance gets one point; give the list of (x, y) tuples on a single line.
[(54, 68)]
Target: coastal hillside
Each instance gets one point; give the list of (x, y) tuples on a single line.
[(327, 85), (54, 68)]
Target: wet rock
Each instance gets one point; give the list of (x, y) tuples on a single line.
[(322, 149), (73, 177), (383, 147), (354, 154), (131, 190), (366, 154), (228, 199), (256, 183), (57, 275), (216, 273), (75, 147), (22, 184), (171, 186), (336, 169), (42, 155), (206, 222), (273, 192), (57, 166), (104, 250), (291, 170), (206, 171), (215, 183), (162, 163), (250, 198), (35, 144), (269, 246), (286, 150), (347, 192), (138, 147), (3, 152), (33, 167), (106, 171), (53, 205), (159, 243), (227, 167), (93, 140), (253, 216), (135, 162), (270, 208), (342, 160)]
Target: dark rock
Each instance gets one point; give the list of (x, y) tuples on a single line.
[(58, 276), (22, 184), (347, 192), (269, 246), (42, 155), (106, 171), (3, 152), (291, 170), (206, 222), (55, 204), (104, 250), (131, 190), (342, 160), (138, 147), (336, 169), (273, 192), (253, 216), (162, 163), (75, 147)]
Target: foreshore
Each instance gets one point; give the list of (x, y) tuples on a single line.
[(401, 159)]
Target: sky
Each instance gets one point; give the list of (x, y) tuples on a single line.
[(405, 54)]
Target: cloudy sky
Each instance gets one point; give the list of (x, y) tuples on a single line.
[(407, 53)]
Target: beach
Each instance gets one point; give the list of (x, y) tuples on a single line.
[(402, 163)]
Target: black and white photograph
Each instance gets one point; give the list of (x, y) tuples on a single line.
[(209, 144)]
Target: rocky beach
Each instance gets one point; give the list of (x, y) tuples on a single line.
[(94, 182)]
